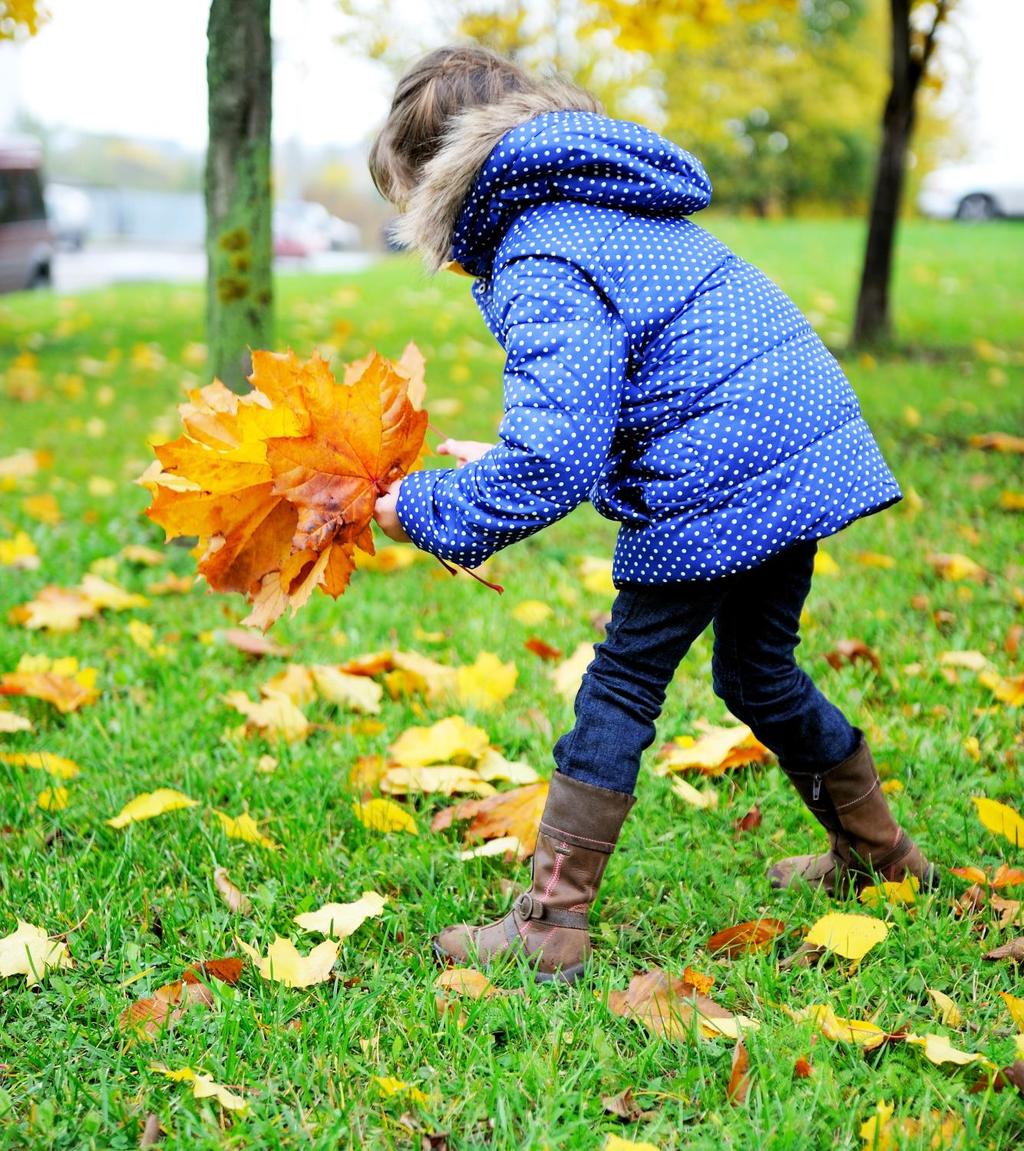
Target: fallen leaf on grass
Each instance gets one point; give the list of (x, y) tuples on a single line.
[(245, 828), (232, 896), (151, 804), (394, 558), (718, 750), (164, 1008), (852, 651), (249, 642), (1015, 1006), (672, 1008), (11, 722), (60, 682), (29, 951), (702, 800), (391, 1086), (465, 981), (203, 1086), (19, 552), (493, 767), (997, 442), (860, 1032), (275, 715), (738, 1086), (1002, 877), (568, 676), (486, 682), (1007, 689), (624, 1106), (754, 935), (884, 1133), (384, 815), (1013, 950), (938, 1049), (443, 779), (1000, 819), (355, 692), (284, 964), (450, 740), (54, 798), (904, 892), (948, 1012), (55, 765), (749, 822), (851, 936), (532, 612), (510, 813), (956, 566), (340, 920), (543, 650), (615, 1143), (507, 845)]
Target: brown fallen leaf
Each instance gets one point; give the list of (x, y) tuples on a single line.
[(739, 1079), (543, 650), (803, 1069), (252, 643), (1013, 951), (753, 935), (673, 1009), (164, 1007), (625, 1107), (235, 900), (852, 651), (997, 442), (749, 822), (509, 813), (152, 1132), (1003, 876), (228, 970)]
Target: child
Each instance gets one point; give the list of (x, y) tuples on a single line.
[(673, 385)]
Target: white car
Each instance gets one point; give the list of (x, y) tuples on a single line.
[(972, 192)]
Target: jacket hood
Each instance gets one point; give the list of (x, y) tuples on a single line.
[(547, 145)]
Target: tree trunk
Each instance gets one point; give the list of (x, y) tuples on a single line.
[(239, 300), (873, 322)]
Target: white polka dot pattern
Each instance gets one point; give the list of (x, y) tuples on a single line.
[(648, 369)]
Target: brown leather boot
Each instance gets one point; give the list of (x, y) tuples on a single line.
[(548, 923), (866, 844)]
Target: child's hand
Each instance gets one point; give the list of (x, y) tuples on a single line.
[(385, 512), (464, 451)]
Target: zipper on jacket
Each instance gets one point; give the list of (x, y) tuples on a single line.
[(816, 788)]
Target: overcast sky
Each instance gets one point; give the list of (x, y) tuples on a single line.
[(137, 67)]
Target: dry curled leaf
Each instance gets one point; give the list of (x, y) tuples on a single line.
[(674, 1009), (717, 750), (754, 935), (852, 651), (1013, 951), (510, 813), (739, 1077), (235, 900)]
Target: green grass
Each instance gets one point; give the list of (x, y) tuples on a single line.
[(523, 1071)]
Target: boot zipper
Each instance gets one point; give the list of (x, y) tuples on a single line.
[(816, 788)]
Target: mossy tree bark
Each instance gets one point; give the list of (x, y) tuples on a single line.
[(910, 56), (238, 187)]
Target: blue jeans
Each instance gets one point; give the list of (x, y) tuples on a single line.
[(756, 616)]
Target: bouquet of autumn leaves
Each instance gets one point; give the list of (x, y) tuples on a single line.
[(279, 485)]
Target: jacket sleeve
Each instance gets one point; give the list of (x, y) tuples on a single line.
[(564, 373)]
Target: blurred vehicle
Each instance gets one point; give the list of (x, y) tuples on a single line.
[(26, 242), (303, 228), (972, 192), (70, 213)]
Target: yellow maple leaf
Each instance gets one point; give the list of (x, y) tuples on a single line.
[(596, 575), (54, 609), (898, 893), (486, 682), (392, 1086), (29, 951), (355, 692), (860, 1032), (340, 920), (275, 715), (55, 765), (151, 804), (851, 936), (938, 1049), (284, 964), (295, 682), (53, 798), (19, 552), (440, 779), (493, 766), (532, 612), (955, 566), (60, 682), (384, 815), (245, 828), (103, 594), (1007, 689), (717, 750), (203, 1086), (450, 740), (1000, 819)]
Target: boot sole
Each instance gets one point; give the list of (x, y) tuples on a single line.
[(562, 975)]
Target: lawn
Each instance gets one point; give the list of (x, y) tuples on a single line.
[(87, 380)]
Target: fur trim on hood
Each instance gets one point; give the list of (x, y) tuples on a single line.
[(433, 208)]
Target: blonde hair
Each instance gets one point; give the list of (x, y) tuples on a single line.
[(434, 90)]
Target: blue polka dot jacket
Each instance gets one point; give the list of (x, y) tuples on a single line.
[(649, 369)]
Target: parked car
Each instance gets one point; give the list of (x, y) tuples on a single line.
[(70, 213), (972, 192), (302, 228), (26, 241)]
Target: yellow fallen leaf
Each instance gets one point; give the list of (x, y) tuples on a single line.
[(1019, 1044), (245, 828), (384, 815), (689, 794), (531, 612), (109, 596), (284, 964), (150, 804), (296, 682), (851, 936), (892, 786), (395, 558), (275, 715), (55, 765), (504, 845), (1007, 689), (486, 682), (339, 920), (617, 1143), (493, 766), (450, 740), (465, 981), (391, 1086), (53, 798), (141, 554), (884, 1133), (30, 952), (19, 552), (1000, 819), (43, 508), (970, 660), (1011, 501), (10, 722), (938, 1049), (568, 675), (956, 566), (875, 560), (441, 779), (203, 1086), (596, 575), (948, 1012), (60, 682), (434, 680), (54, 609), (355, 692), (824, 564), (897, 893), (1015, 1007), (717, 750), (860, 1032)]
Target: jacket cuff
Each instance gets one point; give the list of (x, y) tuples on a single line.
[(415, 511)]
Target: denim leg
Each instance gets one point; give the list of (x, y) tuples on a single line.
[(623, 690), (757, 629)]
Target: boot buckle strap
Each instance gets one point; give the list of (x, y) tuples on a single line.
[(527, 908)]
